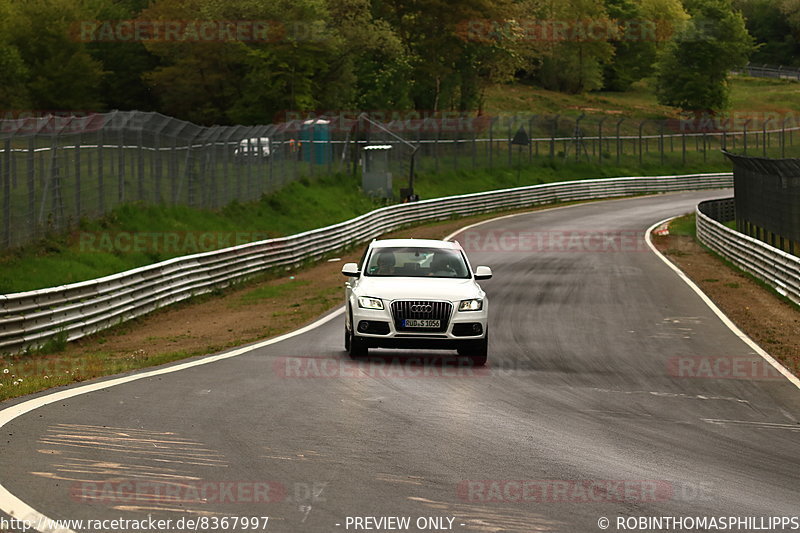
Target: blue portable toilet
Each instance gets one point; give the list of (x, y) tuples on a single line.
[(319, 131)]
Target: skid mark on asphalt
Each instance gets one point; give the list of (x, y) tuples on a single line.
[(393, 478), (303, 455), (674, 395), (492, 519), (678, 327), (752, 424), (141, 470)]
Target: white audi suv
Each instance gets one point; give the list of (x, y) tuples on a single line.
[(416, 293)]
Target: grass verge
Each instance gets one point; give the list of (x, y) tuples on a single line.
[(260, 308), (764, 315), (136, 235)]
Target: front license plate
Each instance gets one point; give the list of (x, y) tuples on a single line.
[(421, 323)]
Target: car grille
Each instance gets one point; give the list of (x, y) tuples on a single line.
[(404, 309)]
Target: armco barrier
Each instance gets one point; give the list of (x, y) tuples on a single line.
[(31, 318), (773, 266)]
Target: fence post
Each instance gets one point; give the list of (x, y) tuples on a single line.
[(783, 137), (7, 194), (491, 141), (725, 133), (438, 126), (578, 137), (641, 125), (31, 167), (156, 167), (600, 140), (140, 163), (121, 166), (474, 147), (510, 146), (78, 142), (619, 146), (457, 142), (553, 137), (101, 189), (531, 121), (744, 141)]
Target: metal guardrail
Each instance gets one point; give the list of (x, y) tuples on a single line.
[(30, 319), (773, 266)]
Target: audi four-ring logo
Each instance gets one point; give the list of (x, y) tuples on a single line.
[(421, 308)]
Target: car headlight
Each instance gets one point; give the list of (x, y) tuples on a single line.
[(471, 305), (368, 302)]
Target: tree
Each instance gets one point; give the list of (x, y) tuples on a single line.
[(644, 27), (775, 26), (318, 54), (693, 69), (450, 68), (61, 74), (575, 49), (124, 62), (13, 90)]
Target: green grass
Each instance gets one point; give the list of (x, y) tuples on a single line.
[(24, 375), (310, 202), (91, 251), (106, 246), (639, 103), (685, 225), (255, 296)]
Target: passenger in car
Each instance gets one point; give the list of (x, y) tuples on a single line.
[(386, 264)]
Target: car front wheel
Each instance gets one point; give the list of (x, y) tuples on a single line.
[(476, 351), (354, 345)]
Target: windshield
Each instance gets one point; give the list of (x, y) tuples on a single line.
[(417, 262)]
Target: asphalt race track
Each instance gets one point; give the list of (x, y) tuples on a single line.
[(612, 391)]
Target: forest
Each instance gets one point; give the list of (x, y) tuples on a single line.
[(252, 61)]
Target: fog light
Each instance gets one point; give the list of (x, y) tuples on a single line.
[(363, 326), (477, 329)]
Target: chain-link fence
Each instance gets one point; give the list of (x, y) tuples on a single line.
[(57, 170), (767, 199), (770, 71)]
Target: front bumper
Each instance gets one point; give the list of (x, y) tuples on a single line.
[(379, 329)]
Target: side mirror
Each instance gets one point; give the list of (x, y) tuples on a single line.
[(351, 270), (483, 272)]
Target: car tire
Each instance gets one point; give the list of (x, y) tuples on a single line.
[(476, 351), (354, 345)]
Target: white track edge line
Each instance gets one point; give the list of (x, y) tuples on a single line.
[(17, 508), (717, 311), (20, 510)]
